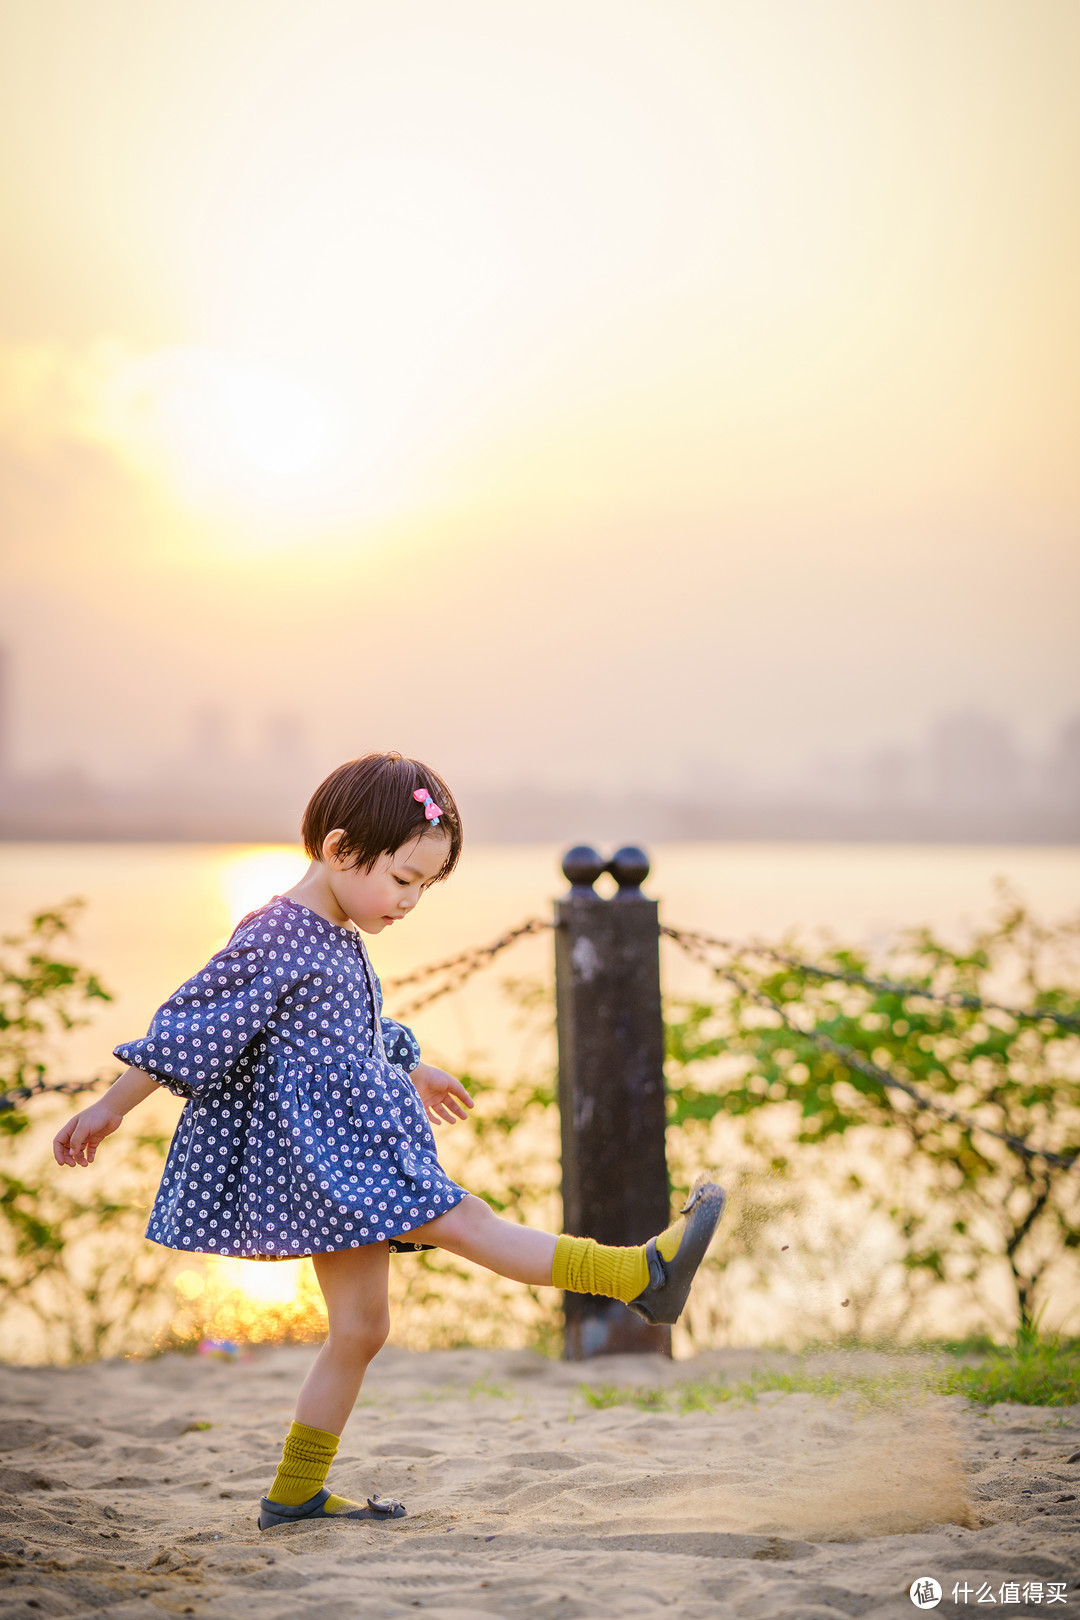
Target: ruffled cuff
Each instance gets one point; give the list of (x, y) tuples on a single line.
[(402, 1046), (139, 1055)]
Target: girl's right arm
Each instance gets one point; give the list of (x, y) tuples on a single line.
[(78, 1142), (199, 1033)]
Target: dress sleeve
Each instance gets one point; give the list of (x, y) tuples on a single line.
[(402, 1046), (203, 1029)]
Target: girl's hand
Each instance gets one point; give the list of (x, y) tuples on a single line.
[(78, 1142), (442, 1094)]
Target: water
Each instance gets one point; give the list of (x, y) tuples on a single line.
[(155, 912)]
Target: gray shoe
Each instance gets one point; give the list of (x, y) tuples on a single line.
[(378, 1507), (669, 1280)]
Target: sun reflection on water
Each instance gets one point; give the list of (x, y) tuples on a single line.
[(249, 878), (250, 1302)]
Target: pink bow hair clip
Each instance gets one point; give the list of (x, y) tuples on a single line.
[(431, 810)]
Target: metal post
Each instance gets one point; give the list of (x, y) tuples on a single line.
[(611, 1084)]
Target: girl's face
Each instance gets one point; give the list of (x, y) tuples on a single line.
[(373, 900)]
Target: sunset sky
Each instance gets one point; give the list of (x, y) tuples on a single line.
[(571, 393)]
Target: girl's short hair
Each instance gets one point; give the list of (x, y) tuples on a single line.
[(371, 800)]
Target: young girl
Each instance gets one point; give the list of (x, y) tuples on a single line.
[(305, 1133)]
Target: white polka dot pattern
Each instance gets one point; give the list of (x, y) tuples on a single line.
[(303, 1132)]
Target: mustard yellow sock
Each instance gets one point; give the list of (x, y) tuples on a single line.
[(305, 1463), (668, 1242), (583, 1266)]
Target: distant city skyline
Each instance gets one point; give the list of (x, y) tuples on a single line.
[(968, 779)]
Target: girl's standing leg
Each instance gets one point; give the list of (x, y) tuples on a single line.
[(354, 1286)]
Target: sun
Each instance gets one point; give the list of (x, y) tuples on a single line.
[(225, 431), (252, 420)]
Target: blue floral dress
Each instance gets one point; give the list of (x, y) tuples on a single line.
[(302, 1132)]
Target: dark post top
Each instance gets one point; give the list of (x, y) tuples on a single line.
[(629, 866), (581, 868)]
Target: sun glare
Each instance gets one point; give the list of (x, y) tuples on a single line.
[(267, 1284), (250, 879), (231, 1303), (224, 431), (275, 426)]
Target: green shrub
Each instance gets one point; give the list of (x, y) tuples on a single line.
[(962, 1202), (75, 1281)]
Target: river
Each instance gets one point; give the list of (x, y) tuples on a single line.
[(153, 913)]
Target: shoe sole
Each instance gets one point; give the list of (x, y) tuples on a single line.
[(663, 1302)]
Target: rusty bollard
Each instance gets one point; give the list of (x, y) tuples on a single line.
[(611, 1083)]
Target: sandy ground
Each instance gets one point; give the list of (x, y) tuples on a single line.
[(117, 1499)]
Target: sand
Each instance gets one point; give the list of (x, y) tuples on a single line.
[(128, 1489)]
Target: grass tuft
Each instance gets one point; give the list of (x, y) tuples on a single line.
[(706, 1394), (1043, 1372), (484, 1386)]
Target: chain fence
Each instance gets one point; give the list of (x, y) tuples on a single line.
[(456, 971), (856, 1060), (891, 987), (61, 1088), (461, 968)]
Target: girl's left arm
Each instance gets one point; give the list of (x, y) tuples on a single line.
[(443, 1095), (402, 1046)]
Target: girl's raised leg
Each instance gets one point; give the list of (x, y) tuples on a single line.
[(474, 1231), (653, 1278)]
